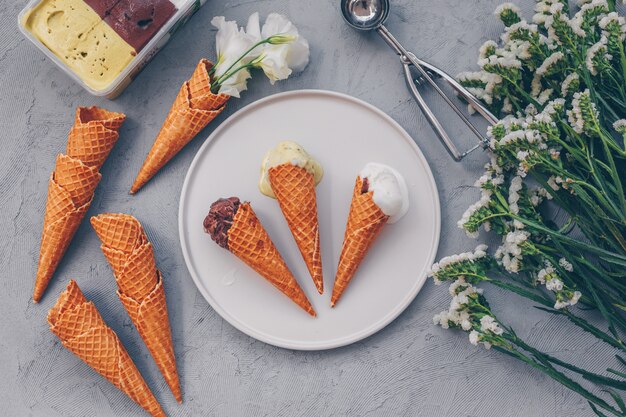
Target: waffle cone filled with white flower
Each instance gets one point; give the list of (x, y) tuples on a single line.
[(276, 48), (380, 196)]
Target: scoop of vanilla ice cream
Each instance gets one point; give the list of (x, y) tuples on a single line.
[(389, 189), (287, 152)]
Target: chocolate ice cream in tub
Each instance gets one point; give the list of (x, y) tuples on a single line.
[(103, 44)]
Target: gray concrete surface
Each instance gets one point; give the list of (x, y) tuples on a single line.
[(411, 368)]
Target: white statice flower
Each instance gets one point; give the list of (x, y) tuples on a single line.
[(567, 82), (544, 273), (535, 85), (489, 324), (489, 177), (522, 155), (553, 107), (555, 11), (575, 116), (458, 313), (593, 6), (506, 60), (549, 63), (487, 49), (521, 49), (474, 337), (506, 7), (566, 265), (488, 80), (613, 18), (441, 319), (232, 43), (620, 125), (575, 25), (514, 188), (517, 28), (507, 106), (530, 110), (597, 49), (544, 96), (555, 154), (570, 302), (542, 9), (537, 195), (485, 198), (478, 253), (553, 184), (286, 52), (554, 284), (510, 253)]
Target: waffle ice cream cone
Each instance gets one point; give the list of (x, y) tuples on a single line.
[(72, 185), (365, 221), (82, 330), (194, 108), (238, 229), (140, 288), (294, 188)]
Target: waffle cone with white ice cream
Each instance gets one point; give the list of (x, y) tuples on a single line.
[(234, 226), (140, 288), (380, 196), (72, 185), (290, 174), (82, 330)]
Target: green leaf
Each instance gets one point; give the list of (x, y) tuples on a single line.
[(618, 400), (595, 410)]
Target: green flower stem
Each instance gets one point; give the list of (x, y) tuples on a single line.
[(252, 48), (561, 378), (544, 358)]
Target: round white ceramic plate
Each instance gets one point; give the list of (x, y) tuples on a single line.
[(343, 133)]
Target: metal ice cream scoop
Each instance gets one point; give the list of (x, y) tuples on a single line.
[(370, 15)]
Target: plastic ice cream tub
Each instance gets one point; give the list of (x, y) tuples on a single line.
[(95, 31)]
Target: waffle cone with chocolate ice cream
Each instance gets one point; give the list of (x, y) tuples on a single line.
[(294, 188), (82, 330), (72, 185), (234, 226), (140, 287), (194, 108), (365, 221)]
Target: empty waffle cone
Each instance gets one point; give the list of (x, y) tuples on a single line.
[(294, 188), (365, 221), (194, 108), (249, 241), (78, 179), (72, 185), (82, 330), (140, 288), (94, 135)]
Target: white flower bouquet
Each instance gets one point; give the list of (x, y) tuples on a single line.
[(559, 85)]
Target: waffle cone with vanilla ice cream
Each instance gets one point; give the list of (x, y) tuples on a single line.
[(290, 174), (380, 196)]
